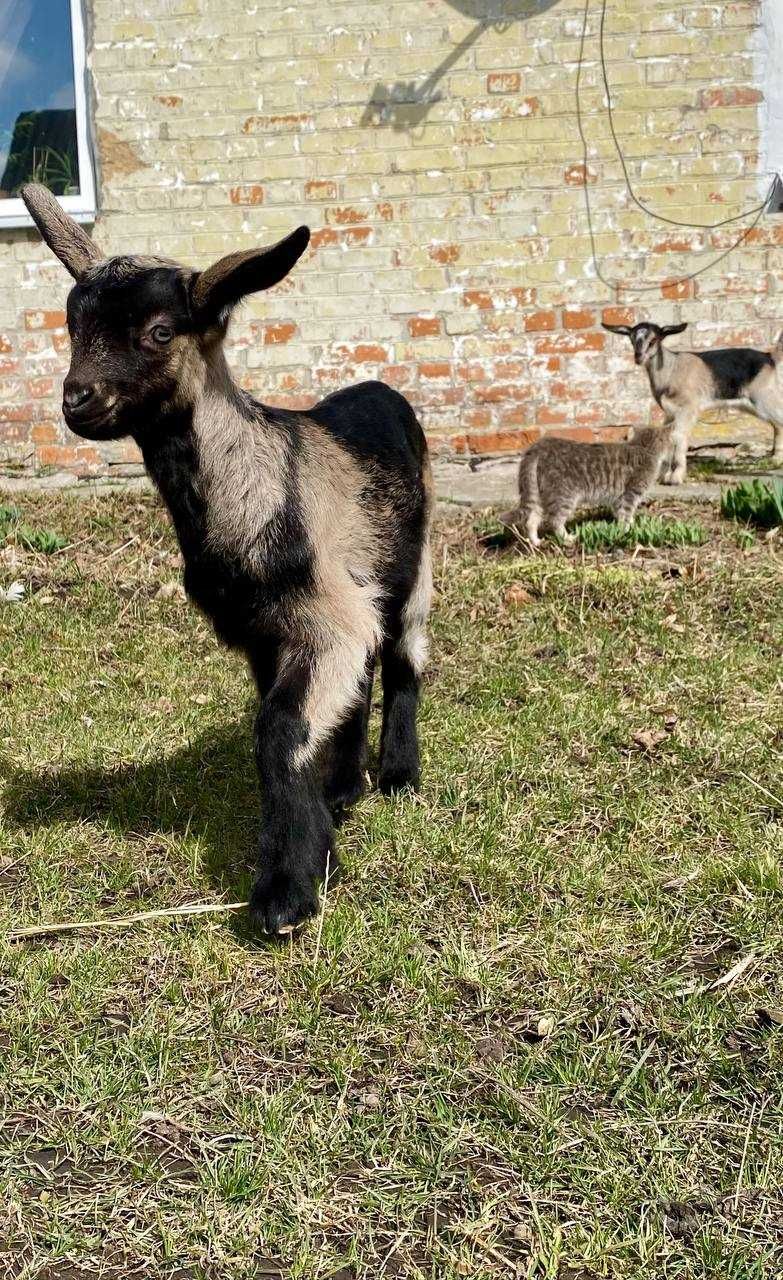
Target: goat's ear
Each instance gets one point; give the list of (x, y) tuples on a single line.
[(222, 285), (624, 329), (669, 329), (65, 238)]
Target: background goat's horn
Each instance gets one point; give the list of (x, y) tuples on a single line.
[(64, 237)]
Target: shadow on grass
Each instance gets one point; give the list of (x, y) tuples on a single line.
[(207, 789)]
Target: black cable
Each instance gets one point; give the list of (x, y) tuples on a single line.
[(673, 222), (617, 286)]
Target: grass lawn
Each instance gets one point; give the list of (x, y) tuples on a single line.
[(507, 1050)]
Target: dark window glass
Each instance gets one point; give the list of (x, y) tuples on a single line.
[(37, 105)]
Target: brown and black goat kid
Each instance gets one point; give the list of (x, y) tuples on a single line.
[(305, 536), (684, 383)]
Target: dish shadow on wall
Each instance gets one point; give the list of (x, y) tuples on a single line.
[(405, 104)]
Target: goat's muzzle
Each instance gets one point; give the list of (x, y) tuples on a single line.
[(87, 410)]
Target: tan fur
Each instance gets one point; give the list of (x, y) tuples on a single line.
[(346, 632), (65, 238), (557, 477), (414, 641)]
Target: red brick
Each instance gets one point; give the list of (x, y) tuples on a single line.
[(6, 344), (40, 388), (576, 175), (248, 193), (435, 369), (445, 253), (738, 96), (539, 320), (618, 315), (398, 375), (323, 236), (674, 244), (470, 372), (501, 441), (345, 216), (369, 353), (58, 455), (477, 298), (503, 82), (438, 397), (278, 124), (43, 433), (677, 290), (320, 190), (570, 343), (578, 319), (16, 412), (583, 435), (275, 334), (357, 235), (44, 319), (547, 416), (509, 369), (524, 297), (424, 326), (500, 392)]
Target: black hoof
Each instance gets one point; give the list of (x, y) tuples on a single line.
[(280, 901), (399, 777)]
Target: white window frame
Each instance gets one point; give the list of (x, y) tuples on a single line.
[(82, 207)]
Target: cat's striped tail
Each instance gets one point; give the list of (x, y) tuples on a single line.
[(528, 491)]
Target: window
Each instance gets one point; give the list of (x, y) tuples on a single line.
[(43, 107)]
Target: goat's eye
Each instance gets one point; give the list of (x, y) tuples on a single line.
[(161, 333)]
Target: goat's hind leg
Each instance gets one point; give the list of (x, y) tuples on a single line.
[(311, 695), (403, 658), (678, 464), (775, 418)]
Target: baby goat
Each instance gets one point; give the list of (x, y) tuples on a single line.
[(304, 535), (684, 383), (557, 477)]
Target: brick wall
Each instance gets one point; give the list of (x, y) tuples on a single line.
[(451, 254)]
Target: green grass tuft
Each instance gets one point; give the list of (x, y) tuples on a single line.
[(44, 540), (646, 531), (758, 502)]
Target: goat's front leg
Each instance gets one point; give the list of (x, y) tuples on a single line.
[(311, 694)]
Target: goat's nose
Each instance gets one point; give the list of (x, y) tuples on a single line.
[(77, 394)]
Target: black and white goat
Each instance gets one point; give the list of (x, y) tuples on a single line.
[(305, 536), (685, 383)]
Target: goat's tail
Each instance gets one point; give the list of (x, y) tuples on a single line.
[(777, 351)]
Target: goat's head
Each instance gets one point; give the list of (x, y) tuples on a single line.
[(141, 327), (646, 337)]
